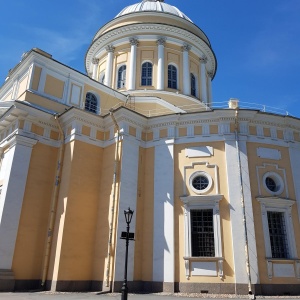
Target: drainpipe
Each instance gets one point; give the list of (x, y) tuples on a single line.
[(113, 219), (243, 203), (53, 203)]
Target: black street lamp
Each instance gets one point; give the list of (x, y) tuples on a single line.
[(127, 236)]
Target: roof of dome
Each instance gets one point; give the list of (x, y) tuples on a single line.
[(153, 5)]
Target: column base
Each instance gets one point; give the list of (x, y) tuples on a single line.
[(7, 280)]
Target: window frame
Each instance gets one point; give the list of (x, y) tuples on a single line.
[(147, 77), (204, 174), (202, 202), (195, 85), (97, 109), (278, 205), (278, 181), (172, 79), (121, 83)]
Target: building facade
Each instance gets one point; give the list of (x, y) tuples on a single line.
[(215, 192)]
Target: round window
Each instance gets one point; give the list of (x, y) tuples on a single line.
[(200, 182), (273, 183)]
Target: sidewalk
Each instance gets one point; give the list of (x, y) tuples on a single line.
[(99, 296)]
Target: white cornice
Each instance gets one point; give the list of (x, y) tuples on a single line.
[(138, 30)]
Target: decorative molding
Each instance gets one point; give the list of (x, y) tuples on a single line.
[(133, 41), (186, 47), (203, 59), (205, 151), (268, 153), (95, 61), (161, 41), (110, 48)]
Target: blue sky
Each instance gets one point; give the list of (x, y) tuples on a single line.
[(257, 42)]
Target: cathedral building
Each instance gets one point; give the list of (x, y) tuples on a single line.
[(215, 192)]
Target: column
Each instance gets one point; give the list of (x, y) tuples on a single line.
[(161, 64), (234, 174), (109, 65), (95, 62), (163, 232), (132, 68), (203, 62), (209, 88), (14, 173), (186, 70), (128, 198)]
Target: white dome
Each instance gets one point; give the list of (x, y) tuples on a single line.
[(153, 5)]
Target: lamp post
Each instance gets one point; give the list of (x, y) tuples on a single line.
[(128, 216)]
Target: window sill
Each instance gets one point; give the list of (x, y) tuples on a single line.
[(200, 263), (203, 258), (283, 267)]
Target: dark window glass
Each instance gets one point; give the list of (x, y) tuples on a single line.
[(121, 77), (91, 103), (202, 231), (193, 85), (278, 236), (172, 77), (147, 73), (200, 183), (271, 184)]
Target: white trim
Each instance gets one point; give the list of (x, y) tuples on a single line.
[(204, 174), (11, 200), (275, 174), (202, 202), (163, 234), (278, 182), (278, 205)]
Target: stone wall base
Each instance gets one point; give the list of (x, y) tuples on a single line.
[(9, 284), (7, 281)]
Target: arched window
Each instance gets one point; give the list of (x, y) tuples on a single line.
[(147, 73), (91, 103), (193, 85), (172, 77), (121, 77)]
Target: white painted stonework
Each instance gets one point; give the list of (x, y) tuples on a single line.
[(128, 198), (268, 153), (17, 160), (204, 268), (199, 151), (163, 235), (236, 212), (283, 270)]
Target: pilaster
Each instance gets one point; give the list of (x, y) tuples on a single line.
[(14, 172), (163, 235)]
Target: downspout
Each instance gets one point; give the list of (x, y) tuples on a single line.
[(53, 203), (112, 221), (242, 201)]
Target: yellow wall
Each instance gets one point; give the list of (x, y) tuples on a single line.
[(284, 163), (219, 160), (143, 263), (54, 87), (32, 233)]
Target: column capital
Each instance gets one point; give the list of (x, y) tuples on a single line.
[(186, 47), (133, 41), (95, 61), (110, 48), (161, 41), (203, 59), (210, 74)]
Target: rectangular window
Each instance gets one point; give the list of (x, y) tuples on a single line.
[(202, 231), (278, 236)]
